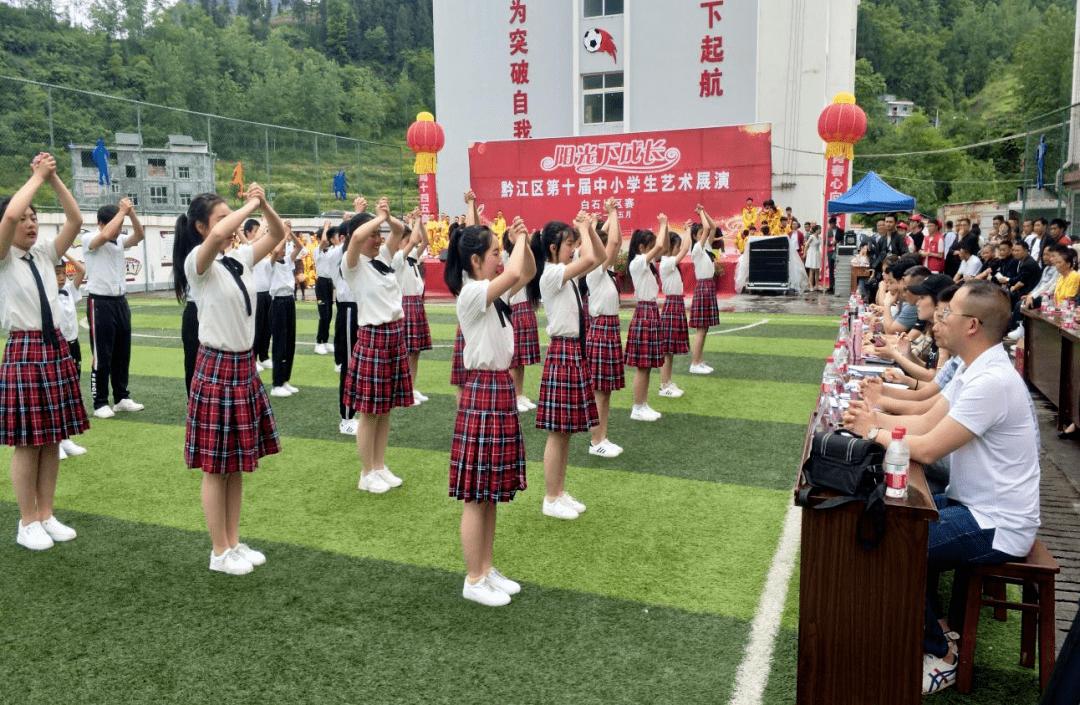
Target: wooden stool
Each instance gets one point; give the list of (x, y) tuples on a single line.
[(1036, 576)]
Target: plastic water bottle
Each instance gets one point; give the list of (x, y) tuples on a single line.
[(897, 459)]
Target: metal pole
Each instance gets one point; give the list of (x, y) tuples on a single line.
[(1024, 176), (266, 136), (358, 189), (401, 182), (318, 177), (52, 135), (209, 144)]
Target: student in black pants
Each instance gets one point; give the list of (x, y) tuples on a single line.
[(324, 291), (261, 274), (283, 311)]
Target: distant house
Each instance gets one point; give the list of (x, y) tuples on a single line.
[(156, 180), (896, 110)]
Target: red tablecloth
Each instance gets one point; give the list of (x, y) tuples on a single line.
[(435, 287)]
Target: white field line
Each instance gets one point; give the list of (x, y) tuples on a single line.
[(732, 330), (753, 672)]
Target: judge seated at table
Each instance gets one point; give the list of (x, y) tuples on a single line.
[(985, 421), (907, 315)]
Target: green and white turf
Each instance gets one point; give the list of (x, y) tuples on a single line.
[(674, 587)]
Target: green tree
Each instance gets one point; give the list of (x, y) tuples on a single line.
[(1044, 64)]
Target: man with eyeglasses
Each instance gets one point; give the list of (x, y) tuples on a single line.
[(986, 422)]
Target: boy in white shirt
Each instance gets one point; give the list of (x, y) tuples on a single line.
[(69, 326)]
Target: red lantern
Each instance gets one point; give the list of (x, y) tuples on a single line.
[(425, 137), (841, 125)]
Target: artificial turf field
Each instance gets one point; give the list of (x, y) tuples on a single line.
[(647, 598)]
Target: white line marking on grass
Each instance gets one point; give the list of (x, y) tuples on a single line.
[(732, 330), (753, 672), (176, 337)]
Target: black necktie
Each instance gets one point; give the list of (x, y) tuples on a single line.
[(580, 319), (381, 267), (614, 278), (503, 310), (48, 330), (63, 292), (236, 269), (412, 263), (711, 254)]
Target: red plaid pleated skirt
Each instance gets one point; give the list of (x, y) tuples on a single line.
[(704, 312), (603, 349), (457, 362), (417, 331), (644, 348), (230, 423), (40, 399), (566, 402), (378, 378), (674, 335), (526, 338), (487, 458), (588, 318)]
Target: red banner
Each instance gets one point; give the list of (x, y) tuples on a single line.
[(837, 182), (647, 173), (429, 202)]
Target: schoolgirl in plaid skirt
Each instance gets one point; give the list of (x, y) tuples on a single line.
[(230, 424), (378, 379), (674, 336), (487, 458), (566, 404), (417, 330), (40, 401), (703, 312), (603, 344), (644, 348), (526, 336)]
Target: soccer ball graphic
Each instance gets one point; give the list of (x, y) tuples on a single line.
[(592, 40)]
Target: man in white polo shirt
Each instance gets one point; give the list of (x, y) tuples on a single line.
[(107, 310), (986, 421)]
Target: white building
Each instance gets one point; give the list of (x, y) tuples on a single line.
[(555, 68), (896, 110)]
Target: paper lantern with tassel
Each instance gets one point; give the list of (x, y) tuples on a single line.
[(841, 125), (425, 137)]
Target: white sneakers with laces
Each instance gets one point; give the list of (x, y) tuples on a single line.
[(501, 582), (348, 427), (484, 592), (58, 531), (249, 554), (104, 412), (231, 562), (70, 447), (127, 404), (320, 349), (559, 509), (389, 477), (33, 536), (280, 392), (643, 413), (670, 390), (418, 396), (605, 449), (373, 482), (292, 389), (700, 369)]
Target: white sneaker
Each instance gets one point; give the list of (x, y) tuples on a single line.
[(522, 407), (128, 405), (61, 453), (347, 427), (292, 389), (650, 410), (613, 449), (320, 349), (280, 392), (389, 477), (57, 531), (670, 390), (337, 367), (249, 554), (230, 562), (501, 582), (33, 536), (558, 509), (71, 447), (572, 503), (1016, 333), (104, 412), (259, 367), (373, 482), (330, 347), (604, 449), (641, 413), (529, 402), (700, 369), (268, 364), (485, 593), (418, 396)]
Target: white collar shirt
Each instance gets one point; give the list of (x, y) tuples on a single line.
[(489, 338), (224, 321), (20, 303)]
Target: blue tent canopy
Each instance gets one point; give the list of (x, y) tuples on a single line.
[(871, 195)]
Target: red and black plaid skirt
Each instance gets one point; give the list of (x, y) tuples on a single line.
[(704, 312), (644, 348), (588, 318), (566, 402), (603, 349), (457, 362), (526, 338), (230, 422), (40, 399), (378, 378), (674, 335), (417, 331), (487, 458)]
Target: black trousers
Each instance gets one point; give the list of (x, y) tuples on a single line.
[(262, 326), (324, 294), (110, 347), (76, 355), (345, 332), (189, 334), (283, 325)]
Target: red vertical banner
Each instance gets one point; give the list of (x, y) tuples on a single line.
[(429, 202), (837, 182)]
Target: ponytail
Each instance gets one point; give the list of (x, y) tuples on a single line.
[(532, 290), (464, 243), (187, 237)]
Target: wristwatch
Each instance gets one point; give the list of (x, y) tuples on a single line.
[(873, 434)]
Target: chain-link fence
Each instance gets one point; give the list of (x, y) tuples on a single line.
[(1051, 187), (161, 156)]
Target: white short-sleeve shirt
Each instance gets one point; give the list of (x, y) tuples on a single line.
[(489, 344), (412, 284), (996, 475), (105, 275), (670, 276), (69, 318), (20, 305), (645, 287), (224, 323), (282, 277), (703, 264), (560, 303), (971, 267), (380, 293), (261, 272), (522, 294), (322, 266), (603, 294)]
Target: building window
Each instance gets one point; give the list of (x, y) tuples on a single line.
[(184, 198), (115, 187), (602, 97), (130, 171), (600, 8), (86, 158), (183, 172), (134, 198), (156, 167), (159, 195)]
